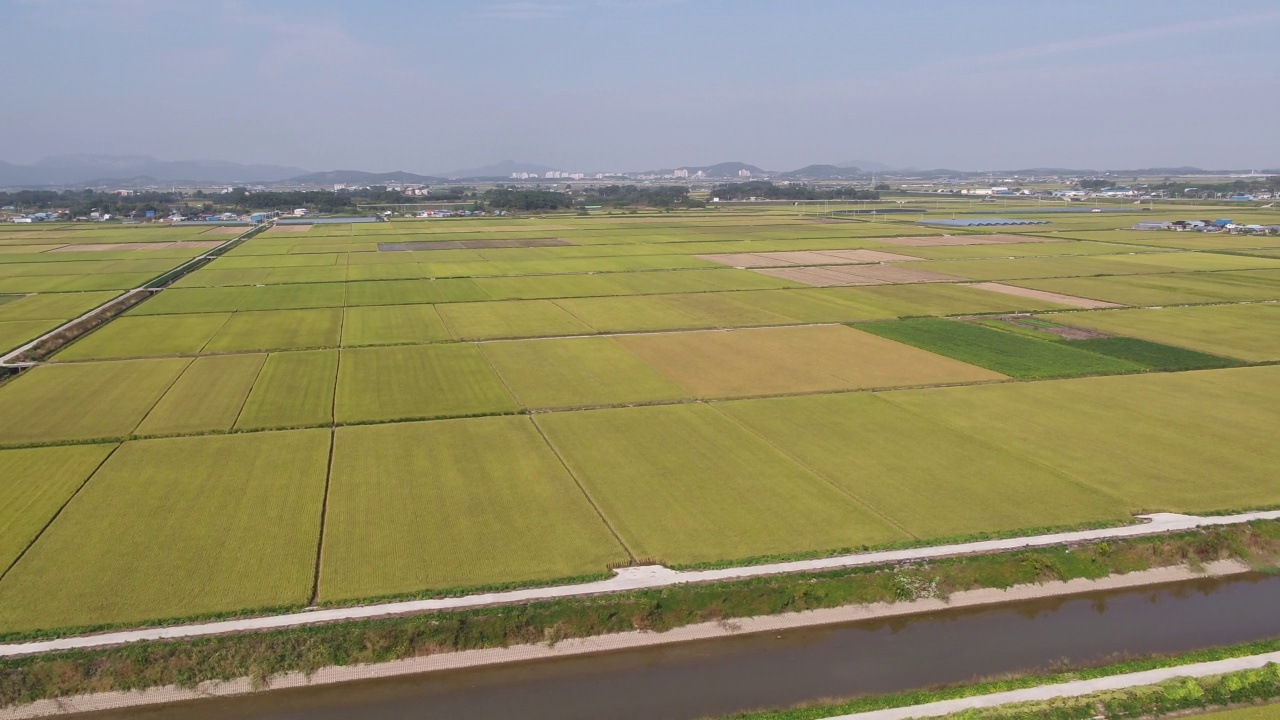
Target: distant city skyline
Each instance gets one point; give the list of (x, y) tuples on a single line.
[(629, 85)]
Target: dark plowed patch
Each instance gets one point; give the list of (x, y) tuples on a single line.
[(473, 244)]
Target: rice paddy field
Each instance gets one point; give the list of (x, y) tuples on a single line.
[(52, 273), (342, 412)]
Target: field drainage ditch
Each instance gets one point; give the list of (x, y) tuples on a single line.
[(741, 673)]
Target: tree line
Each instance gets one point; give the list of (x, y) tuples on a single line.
[(766, 190)]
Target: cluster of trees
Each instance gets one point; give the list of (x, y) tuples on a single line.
[(768, 191), (1236, 187), (612, 196), (501, 198), (662, 196), (79, 203)]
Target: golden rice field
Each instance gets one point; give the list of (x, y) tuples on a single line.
[(345, 412)]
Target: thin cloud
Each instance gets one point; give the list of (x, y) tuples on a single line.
[(524, 11), (639, 4), (1097, 42)]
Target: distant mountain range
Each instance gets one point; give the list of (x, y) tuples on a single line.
[(142, 171), (866, 165), (358, 177), (823, 172), (111, 169)]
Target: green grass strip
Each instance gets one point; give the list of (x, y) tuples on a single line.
[(1152, 701), (1156, 356), (1013, 354), (262, 655)]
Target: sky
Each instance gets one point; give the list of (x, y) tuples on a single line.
[(611, 85)]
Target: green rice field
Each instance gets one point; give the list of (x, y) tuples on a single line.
[(351, 412)]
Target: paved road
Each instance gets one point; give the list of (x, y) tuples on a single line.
[(1070, 689), (632, 578)]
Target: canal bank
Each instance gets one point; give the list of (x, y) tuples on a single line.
[(779, 660)]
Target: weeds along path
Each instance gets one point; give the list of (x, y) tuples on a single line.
[(633, 578)]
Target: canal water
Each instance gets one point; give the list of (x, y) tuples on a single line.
[(773, 670)]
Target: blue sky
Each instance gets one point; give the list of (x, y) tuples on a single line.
[(635, 84)]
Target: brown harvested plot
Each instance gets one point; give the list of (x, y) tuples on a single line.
[(1045, 295), (813, 257), (927, 241), (776, 361), (894, 275), (277, 229)]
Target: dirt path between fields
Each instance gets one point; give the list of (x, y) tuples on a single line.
[(633, 578)]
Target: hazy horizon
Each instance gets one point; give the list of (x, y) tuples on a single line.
[(605, 85)]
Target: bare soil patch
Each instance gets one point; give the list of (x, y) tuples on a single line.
[(894, 274), (1059, 298), (472, 244), (868, 256), (1063, 331), (277, 229)]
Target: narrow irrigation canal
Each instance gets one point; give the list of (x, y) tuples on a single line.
[(773, 670)]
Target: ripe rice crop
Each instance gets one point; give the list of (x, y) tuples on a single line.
[(279, 330), (577, 372), (145, 336), (779, 361), (207, 397), (684, 484), (1177, 442), (456, 503), (178, 527), (418, 381), (34, 485), (392, 325), (294, 389), (1247, 332), (514, 319), (83, 401), (929, 479)]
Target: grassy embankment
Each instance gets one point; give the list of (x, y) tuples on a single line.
[(263, 655)]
